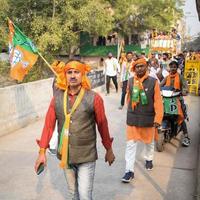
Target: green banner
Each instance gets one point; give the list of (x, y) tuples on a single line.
[(23, 41), (170, 106)]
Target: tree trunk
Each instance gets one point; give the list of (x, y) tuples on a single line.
[(54, 8), (71, 53)]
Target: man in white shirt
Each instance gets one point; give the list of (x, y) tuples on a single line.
[(165, 62), (155, 71), (111, 69)]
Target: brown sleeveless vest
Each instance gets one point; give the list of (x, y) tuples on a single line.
[(82, 138)]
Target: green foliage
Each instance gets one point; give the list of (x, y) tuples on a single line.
[(55, 25), (47, 34), (141, 15), (3, 25), (4, 68)]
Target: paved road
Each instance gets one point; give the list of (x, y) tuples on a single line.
[(173, 177)]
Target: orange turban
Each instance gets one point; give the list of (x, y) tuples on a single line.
[(58, 66), (140, 61), (61, 70), (83, 68)]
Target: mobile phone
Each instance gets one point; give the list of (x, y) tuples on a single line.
[(40, 168)]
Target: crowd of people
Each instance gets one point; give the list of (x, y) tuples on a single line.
[(75, 110)]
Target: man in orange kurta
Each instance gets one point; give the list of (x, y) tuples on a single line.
[(144, 115)]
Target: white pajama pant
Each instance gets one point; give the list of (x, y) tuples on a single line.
[(130, 154), (54, 139)]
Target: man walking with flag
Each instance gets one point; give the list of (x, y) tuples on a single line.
[(77, 110)]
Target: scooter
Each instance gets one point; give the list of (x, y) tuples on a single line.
[(169, 127)]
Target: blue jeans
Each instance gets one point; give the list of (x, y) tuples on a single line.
[(80, 180)]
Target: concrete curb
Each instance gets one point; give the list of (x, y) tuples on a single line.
[(198, 175)]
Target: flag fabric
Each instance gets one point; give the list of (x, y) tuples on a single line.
[(170, 106), (22, 52)]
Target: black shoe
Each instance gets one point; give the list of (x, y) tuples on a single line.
[(120, 107), (186, 142), (128, 177), (149, 165)]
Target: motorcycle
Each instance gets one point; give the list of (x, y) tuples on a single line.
[(169, 128)]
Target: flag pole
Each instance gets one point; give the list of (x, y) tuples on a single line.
[(47, 63), (119, 50)]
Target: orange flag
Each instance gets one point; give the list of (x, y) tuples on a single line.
[(22, 52)]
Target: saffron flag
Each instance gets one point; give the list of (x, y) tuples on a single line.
[(22, 52)]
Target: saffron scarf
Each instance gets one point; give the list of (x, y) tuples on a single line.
[(64, 138), (176, 78), (138, 93)]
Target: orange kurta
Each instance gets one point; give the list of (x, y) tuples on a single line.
[(147, 134)]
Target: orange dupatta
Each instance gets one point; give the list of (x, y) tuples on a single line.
[(176, 77)]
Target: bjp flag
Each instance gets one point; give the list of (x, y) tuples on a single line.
[(22, 52)]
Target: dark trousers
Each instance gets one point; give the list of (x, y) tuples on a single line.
[(184, 128), (184, 109), (124, 87), (114, 79)]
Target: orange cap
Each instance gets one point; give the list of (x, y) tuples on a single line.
[(140, 61)]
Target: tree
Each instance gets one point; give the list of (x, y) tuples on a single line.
[(3, 26), (56, 25), (194, 44), (140, 15)]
